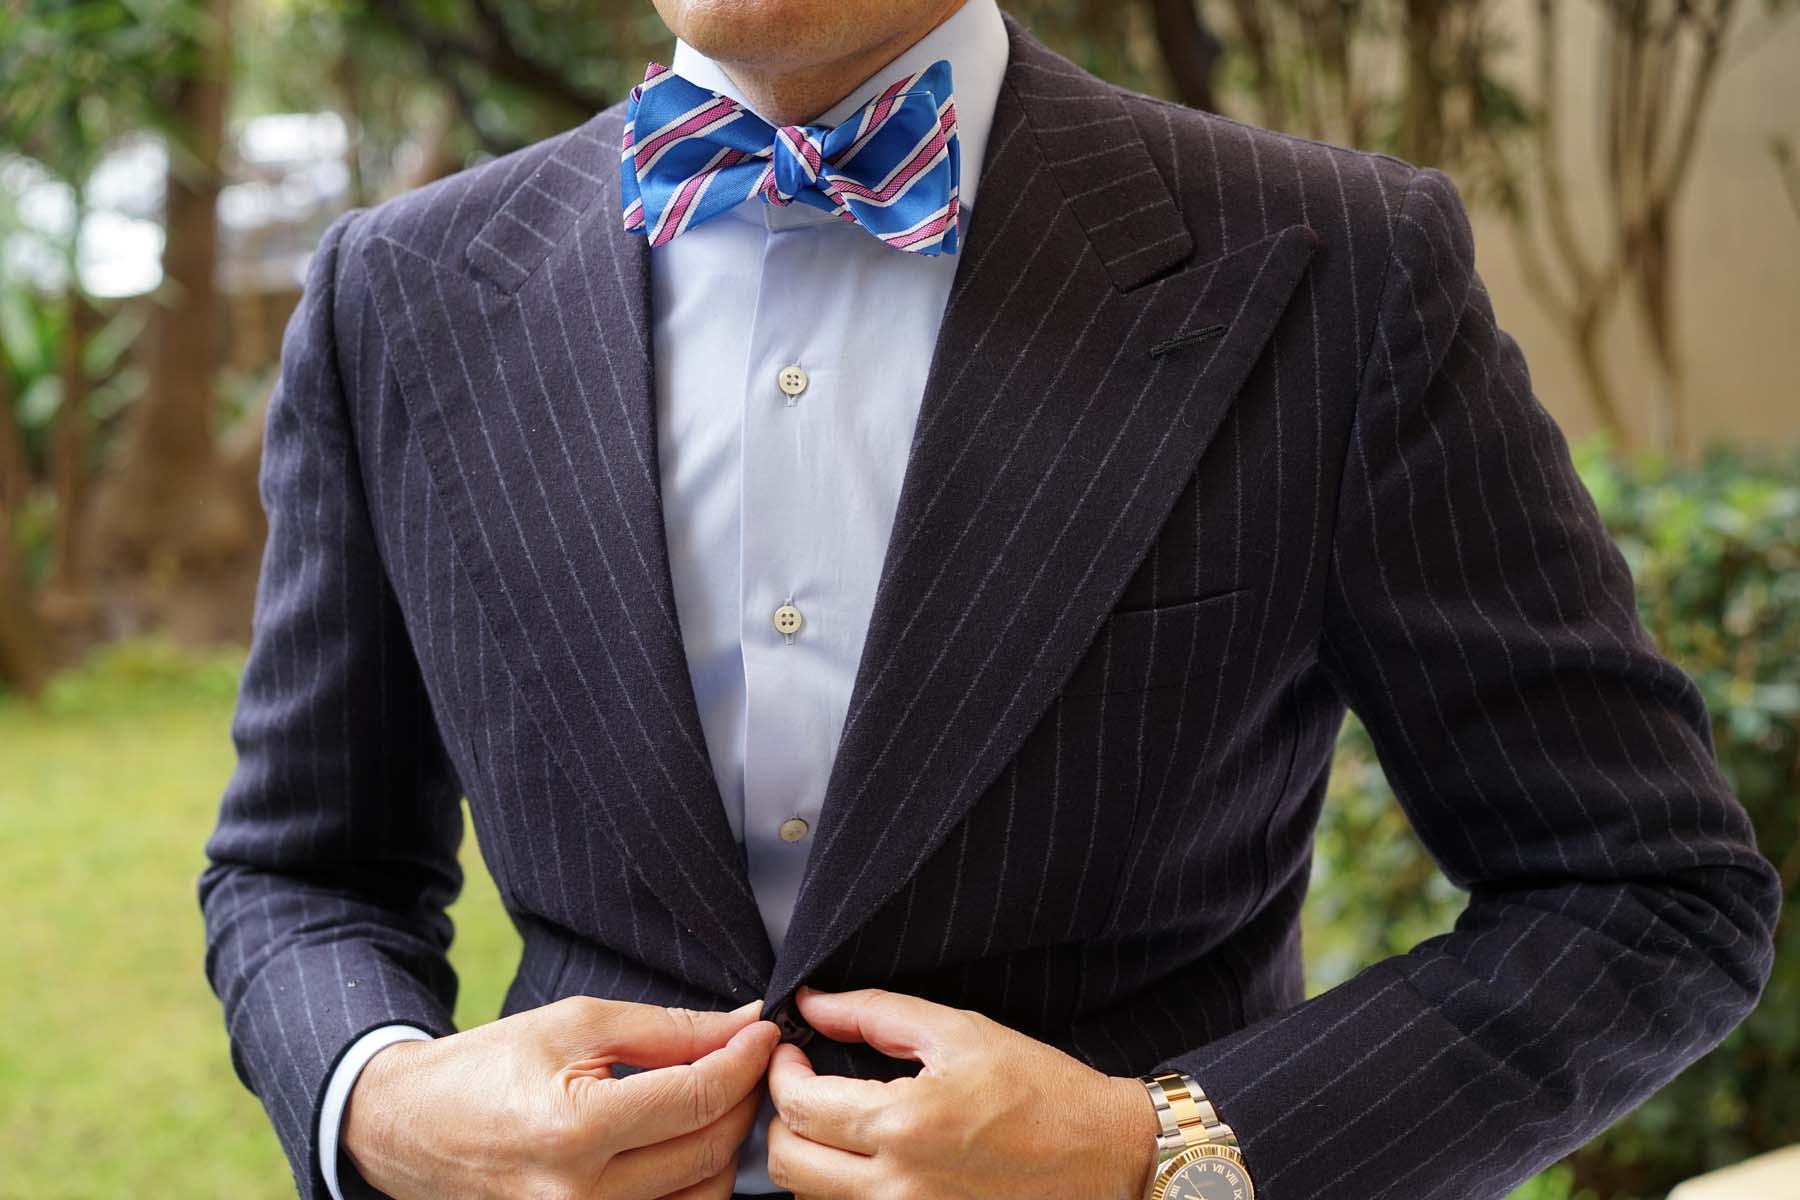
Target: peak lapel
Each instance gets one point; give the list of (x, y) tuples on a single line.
[(1075, 382), (531, 393)]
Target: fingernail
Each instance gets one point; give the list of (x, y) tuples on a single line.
[(747, 1007)]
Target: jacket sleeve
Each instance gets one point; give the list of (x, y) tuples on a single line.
[(334, 855), (1483, 625)]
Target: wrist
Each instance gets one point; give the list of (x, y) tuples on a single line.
[(366, 1131), (1136, 1127)]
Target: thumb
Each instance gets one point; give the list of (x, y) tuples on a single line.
[(648, 1035), (897, 1024)]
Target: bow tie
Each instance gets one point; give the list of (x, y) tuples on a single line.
[(690, 154)]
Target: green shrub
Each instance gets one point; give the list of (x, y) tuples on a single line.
[(139, 674), (1715, 551)]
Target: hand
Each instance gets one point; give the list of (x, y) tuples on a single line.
[(991, 1113), (528, 1106)]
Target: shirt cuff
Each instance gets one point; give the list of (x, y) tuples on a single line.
[(337, 1092)]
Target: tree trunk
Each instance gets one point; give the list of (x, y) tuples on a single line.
[(22, 659), (69, 455), (1253, 29), (1655, 288), (168, 516), (1782, 150), (23, 665), (15, 478), (1422, 131), (173, 421), (1590, 362), (1190, 52)]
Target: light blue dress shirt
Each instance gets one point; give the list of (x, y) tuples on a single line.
[(790, 353)]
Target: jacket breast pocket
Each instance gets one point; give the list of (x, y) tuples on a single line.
[(1144, 649)]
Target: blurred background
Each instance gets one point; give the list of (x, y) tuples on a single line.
[(166, 166)]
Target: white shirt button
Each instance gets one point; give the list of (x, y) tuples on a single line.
[(793, 829), (788, 621), (791, 380)]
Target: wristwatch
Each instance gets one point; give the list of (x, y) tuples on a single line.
[(1197, 1156)]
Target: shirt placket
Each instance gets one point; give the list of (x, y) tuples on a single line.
[(785, 603)]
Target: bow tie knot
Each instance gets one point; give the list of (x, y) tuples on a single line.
[(892, 167), (799, 155)]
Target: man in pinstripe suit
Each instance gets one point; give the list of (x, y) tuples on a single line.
[(1031, 580)]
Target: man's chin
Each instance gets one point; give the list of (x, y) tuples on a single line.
[(767, 33)]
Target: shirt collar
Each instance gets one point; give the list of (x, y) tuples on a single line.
[(973, 39)]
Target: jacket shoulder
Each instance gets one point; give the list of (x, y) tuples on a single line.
[(439, 219), (1236, 181)]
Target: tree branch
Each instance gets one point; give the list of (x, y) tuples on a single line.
[(512, 61), (1190, 51), (499, 55)]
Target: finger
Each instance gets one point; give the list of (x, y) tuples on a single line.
[(647, 1035), (833, 1110), (691, 1160), (720, 1187), (820, 1172), (666, 1102), (894, 1023)]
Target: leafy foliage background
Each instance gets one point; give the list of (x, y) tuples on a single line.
[(431, 85)]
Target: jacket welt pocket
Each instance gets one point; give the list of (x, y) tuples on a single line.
[(1139, 649)]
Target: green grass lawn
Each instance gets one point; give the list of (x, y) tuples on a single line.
[(115, 1079)]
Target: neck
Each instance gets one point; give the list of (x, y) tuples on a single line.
[(794, 94)]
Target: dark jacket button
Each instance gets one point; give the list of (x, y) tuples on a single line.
[(793, 1026)]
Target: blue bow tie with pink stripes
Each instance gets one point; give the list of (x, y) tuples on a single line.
[(690, 154)]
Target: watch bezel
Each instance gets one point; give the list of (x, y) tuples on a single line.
[(1171, 1166)]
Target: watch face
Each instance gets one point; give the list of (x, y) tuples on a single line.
[(1207, 1173)]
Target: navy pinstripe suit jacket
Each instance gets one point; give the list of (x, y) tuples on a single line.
[(1219, 437)]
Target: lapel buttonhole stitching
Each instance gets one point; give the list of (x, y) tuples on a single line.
[(1185, 339)]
